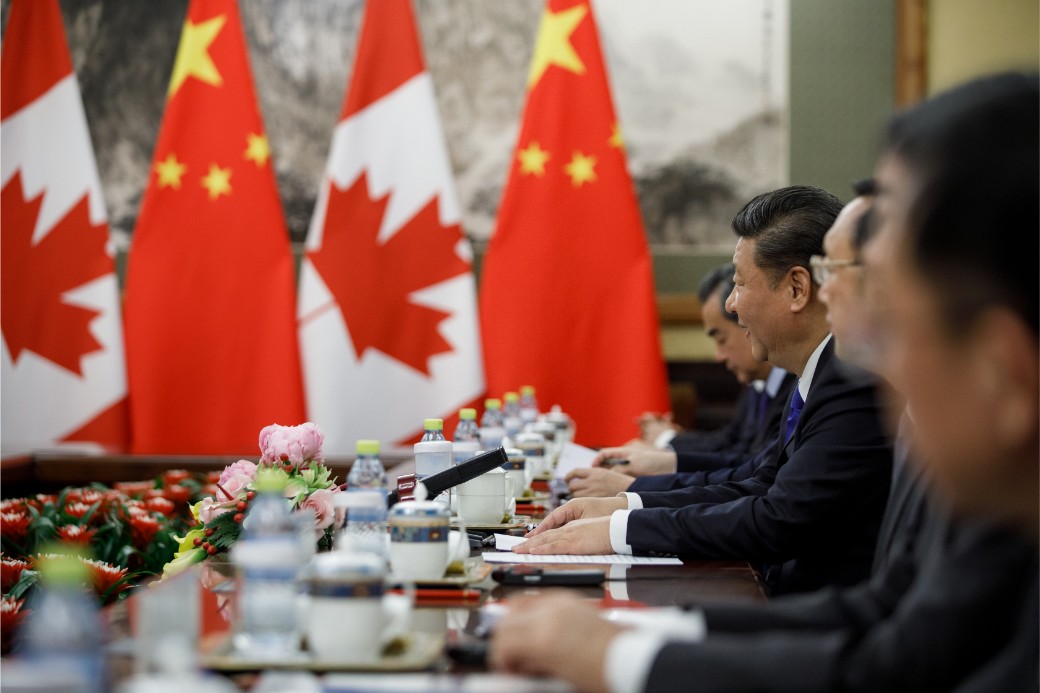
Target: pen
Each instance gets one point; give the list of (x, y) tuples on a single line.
[(459, 595)]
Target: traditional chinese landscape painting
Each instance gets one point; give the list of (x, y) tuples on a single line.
[(700, 88)]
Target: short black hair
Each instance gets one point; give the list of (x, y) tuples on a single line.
[(865, 226), (974, 229), (719, 279), (788, 226)]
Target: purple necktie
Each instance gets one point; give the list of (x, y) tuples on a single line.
[(794, 413)]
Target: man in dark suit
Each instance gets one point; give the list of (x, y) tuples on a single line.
[(760, 409), (967, 616), (810, 514)]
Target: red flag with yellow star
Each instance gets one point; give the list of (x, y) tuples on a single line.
[(212, 355), (567, 297)]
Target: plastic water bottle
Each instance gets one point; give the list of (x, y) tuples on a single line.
[(511, 415), (492, 425), (365, 501), (267, 560), (62, 638), (466, 439), (528, 404), (433, 452)]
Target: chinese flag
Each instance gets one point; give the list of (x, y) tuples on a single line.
[(62, 367), (387, 317), (211, 340), (567, 297)]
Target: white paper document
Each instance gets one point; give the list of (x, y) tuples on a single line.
[(614, 558), (573, 457)]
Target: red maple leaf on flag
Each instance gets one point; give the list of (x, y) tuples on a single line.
[(33, 313), (372, 281)]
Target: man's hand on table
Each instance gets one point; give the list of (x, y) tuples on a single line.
[(641, 462), (589, 537), (554, 634), (597, 482), (579, 527)]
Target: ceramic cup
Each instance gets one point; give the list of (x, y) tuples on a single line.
[(486, 499), (347, 588), (516, 469), (419, 540)]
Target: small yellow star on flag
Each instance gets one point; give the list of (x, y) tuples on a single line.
[(532, 159), (554, 43), (193, 54), (616, 140), (217, 181), (170, 171), (258, 150), (581, 169)]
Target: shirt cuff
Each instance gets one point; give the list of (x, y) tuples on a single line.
[(619, 532), (630, 656), (634, 501), (664, 438)]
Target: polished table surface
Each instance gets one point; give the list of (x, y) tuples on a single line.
[(455, 621)]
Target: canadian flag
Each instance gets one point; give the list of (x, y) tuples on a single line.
[(387, 315), (62, 363)]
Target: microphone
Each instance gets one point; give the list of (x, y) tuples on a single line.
[(452, 476)]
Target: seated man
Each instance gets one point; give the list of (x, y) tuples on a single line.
[(759, 408), (969, 620), (810, 513)]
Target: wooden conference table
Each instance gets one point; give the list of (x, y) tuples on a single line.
[(442, 622), (448, 620)]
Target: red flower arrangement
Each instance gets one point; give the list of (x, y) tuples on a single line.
[(128, 531)]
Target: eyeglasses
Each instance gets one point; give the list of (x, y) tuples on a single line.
[(823, 267)]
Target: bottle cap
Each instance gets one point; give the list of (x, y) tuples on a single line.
[(368, 447), (468, 414), (492, 403), (527, 390), (512, 397), (433, 424), (62, 569)]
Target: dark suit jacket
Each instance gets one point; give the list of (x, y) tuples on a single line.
[(966, 617), (704, 468), (748, 431), (813, 511)]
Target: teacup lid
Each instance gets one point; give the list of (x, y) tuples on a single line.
[(514, 454), (340, 565), (420, 507)]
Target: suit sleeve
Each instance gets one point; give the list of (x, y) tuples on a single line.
[(670, 482), (839, 470)]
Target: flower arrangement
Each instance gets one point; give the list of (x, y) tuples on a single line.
[(128, 532), (291, 464)]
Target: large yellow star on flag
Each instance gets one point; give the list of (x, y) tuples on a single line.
[(170, 171), (581, 169), (193, 54), (554, 43), (217, 181), (257, 151), (532, 159)]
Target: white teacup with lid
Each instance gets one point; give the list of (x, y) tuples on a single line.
[(348, 588), (419, 538)]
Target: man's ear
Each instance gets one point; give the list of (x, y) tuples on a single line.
[(1008, 353), (799, 286)]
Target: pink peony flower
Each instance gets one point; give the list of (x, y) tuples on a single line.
[(320, 503), (291, 444), (210, 509), (235, 478)]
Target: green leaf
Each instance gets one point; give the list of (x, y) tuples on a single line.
[(225, 531), (27, 579)]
